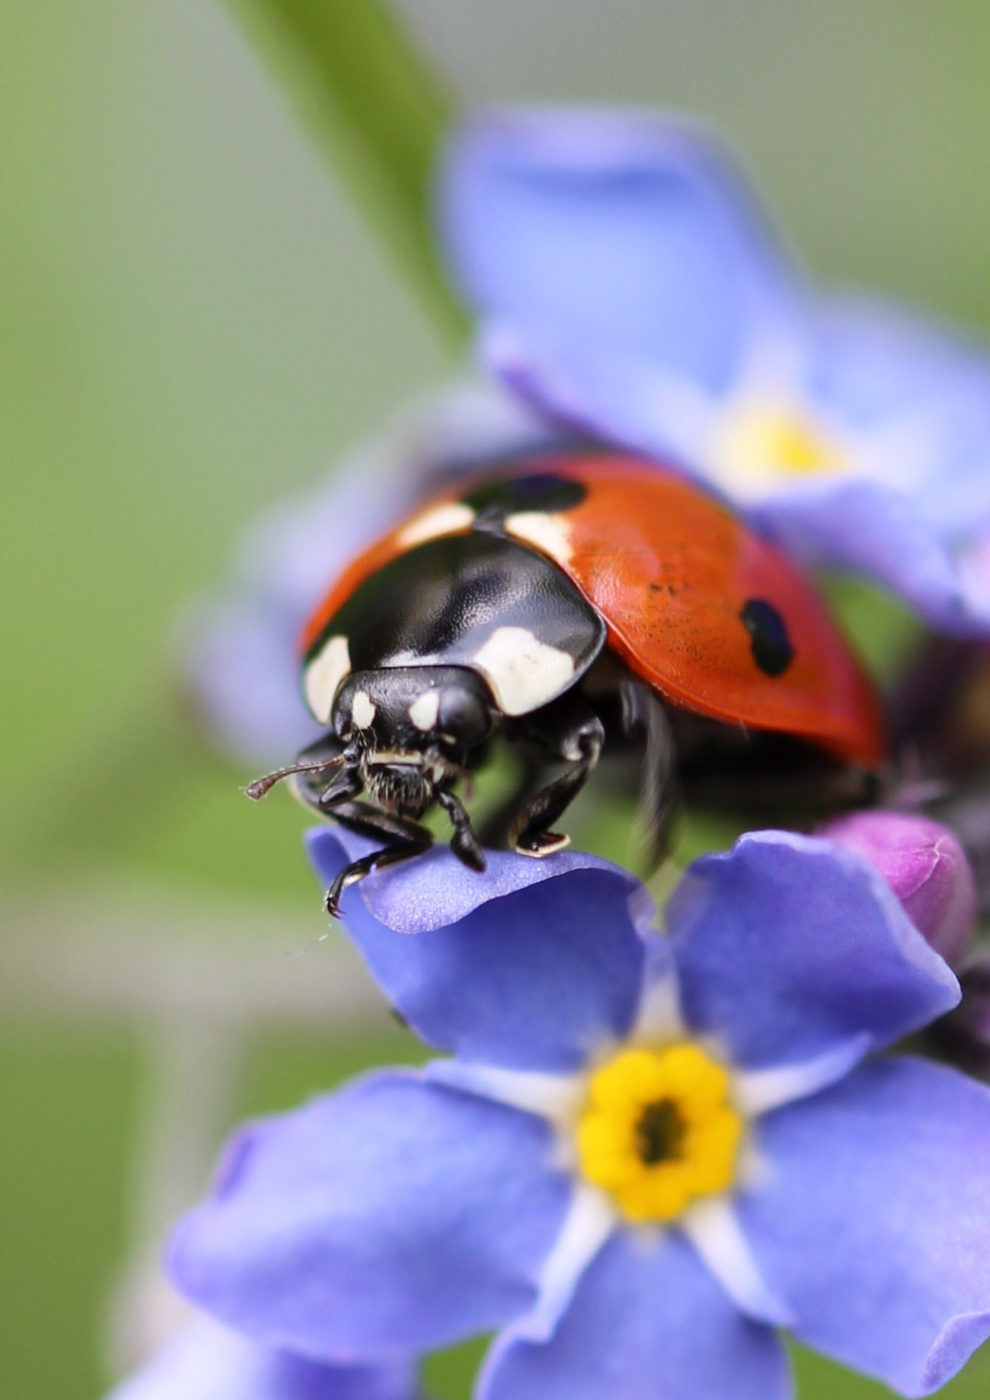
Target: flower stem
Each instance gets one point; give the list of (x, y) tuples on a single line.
[(378, 109)]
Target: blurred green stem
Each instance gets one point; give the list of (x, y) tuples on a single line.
[(376, 106)]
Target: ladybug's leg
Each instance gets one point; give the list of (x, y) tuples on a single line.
[(366, 820), (498, 825), (568, 730), (358, 869), (369, 821), (644, 721), (464, 843)]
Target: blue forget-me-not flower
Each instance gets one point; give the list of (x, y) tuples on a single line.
[(629, 286), (209, 1362), (646, 1154)]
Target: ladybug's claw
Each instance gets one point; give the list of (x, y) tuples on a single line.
[(331, 900), (542, 843), (576, 736), (358, 869)]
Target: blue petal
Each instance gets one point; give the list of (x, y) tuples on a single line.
[(241, 669), (880, 532), (624, 231), (388, 1218), (529, 965), (210, 1363), (878, 367), (239, 653), (647, 1323), (872, 1220), (913, 402), (629, 401), (788, 948)]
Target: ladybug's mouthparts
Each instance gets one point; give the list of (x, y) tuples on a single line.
[(400, 783)]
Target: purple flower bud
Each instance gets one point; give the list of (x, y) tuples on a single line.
[(926, 868)]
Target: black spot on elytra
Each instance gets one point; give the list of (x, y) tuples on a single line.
[(769, 642), (492, 501)]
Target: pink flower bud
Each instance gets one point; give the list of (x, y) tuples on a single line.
[(926, 868)]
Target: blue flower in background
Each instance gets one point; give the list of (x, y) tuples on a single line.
[(646, 1153), (208, 1362), (629, 286)]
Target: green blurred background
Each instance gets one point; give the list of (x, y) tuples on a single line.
[(196, 318)]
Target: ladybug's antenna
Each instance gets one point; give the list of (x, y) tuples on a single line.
[(258, 789)]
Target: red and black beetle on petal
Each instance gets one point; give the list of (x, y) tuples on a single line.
[(549, 603)]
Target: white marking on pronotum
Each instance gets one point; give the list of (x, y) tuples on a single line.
[(524, 673), (548, 533), (363, 710), (448, 518), (423, 711), (324, 674)]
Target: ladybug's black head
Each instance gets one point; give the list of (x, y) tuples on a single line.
[(412, 709), (402, 734), (409, 730)]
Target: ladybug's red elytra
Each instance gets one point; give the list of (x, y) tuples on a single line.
[(552, 603)]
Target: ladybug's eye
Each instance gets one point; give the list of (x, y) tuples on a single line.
[(464, 714)]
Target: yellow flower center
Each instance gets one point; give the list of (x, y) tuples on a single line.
[(658, 1129), (758, 443)]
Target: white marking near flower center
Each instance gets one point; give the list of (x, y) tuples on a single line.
[(423, 711), (555, 1097), (448, 518), (363, 710), (324, 674), (523, 672), (714, 1230), (761, 1090), (550, 534), (589, 1221), (659, 1016)]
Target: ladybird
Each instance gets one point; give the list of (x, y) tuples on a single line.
[(549, 604)]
